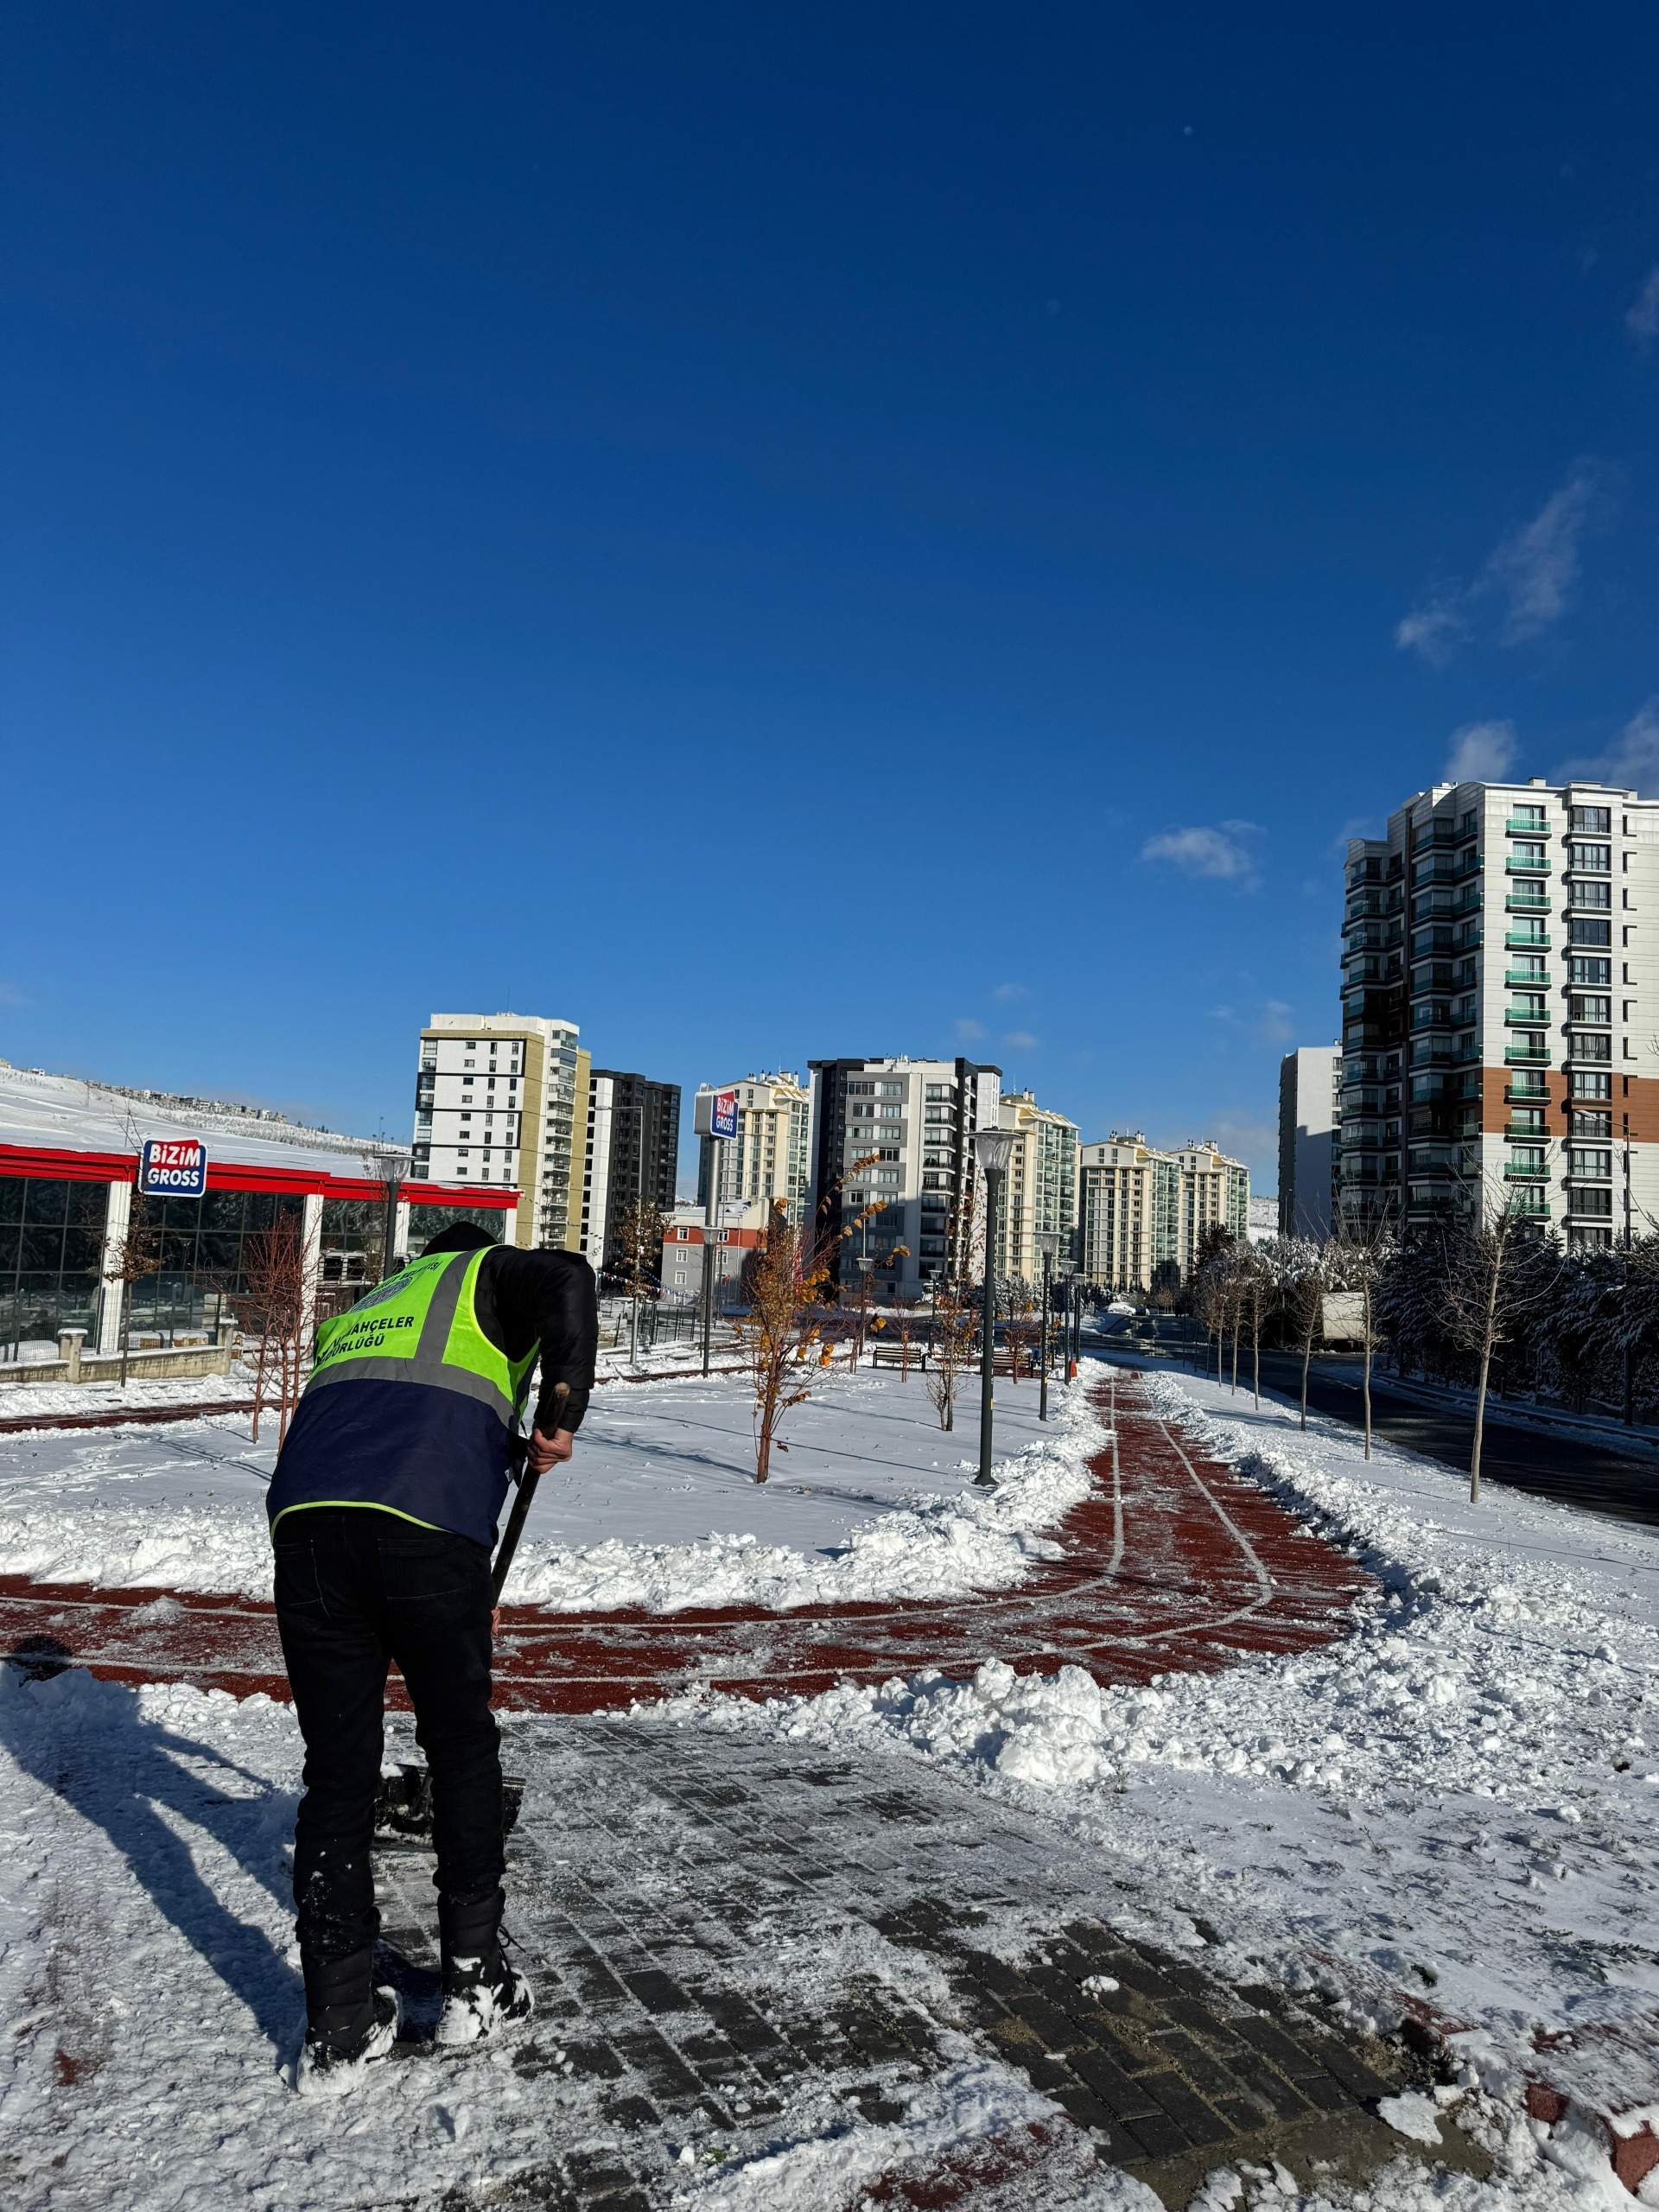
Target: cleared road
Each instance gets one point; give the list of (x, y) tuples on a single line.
[(1575, 1470)]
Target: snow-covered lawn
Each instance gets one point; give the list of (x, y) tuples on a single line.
[(1454, 1807), (659, 1508)]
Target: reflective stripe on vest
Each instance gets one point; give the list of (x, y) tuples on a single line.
[(422, 1326)]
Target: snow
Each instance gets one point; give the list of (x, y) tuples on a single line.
[(39, 1401), (658, 1509), (1450, 1810)]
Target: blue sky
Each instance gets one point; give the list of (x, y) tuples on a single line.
[(920, 530)]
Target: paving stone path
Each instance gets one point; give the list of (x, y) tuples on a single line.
[(747, 1944), (1176, 1560)]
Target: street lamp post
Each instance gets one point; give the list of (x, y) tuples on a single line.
[(1067, 1272), (710, 1216), (1047, 1243), (991, 1150)]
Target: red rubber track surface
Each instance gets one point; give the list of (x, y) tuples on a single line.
[(1175, 1562)]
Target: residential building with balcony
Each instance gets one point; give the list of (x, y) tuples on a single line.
[(1499, 948), (1143, 1213), (1310, 1113), (1040, 1191), (771, 1156), (901, 1131), (499, 1099)]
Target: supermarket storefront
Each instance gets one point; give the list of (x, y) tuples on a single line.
[(69, 1157)]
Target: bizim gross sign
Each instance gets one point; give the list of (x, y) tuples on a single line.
[(172, 1167)]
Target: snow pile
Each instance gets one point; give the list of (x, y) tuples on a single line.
[(38, 1400), (934, 1547), (658, 1509), (1454, 1807)]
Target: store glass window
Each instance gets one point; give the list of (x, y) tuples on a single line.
[(51, 1256)]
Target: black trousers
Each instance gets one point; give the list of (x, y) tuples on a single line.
[(355, 1589)]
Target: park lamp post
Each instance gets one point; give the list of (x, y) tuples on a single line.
[(991, 1149), (1067, 1271), (390, 1167), (1048, 1241)]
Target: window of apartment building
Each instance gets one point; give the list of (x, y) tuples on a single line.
[(1583, 930), (1535, 818), (1586, 892), (1589, 1009), (1592, 1125), (890, 1090), (1591, 971), (1581, 1161), (1595, 819), (940, 1090), (1591, 1082), (1524, 853), (1597, 858)]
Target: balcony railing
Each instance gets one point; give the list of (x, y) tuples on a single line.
[(1522, 902), (1522, 978), (1521, 1055), (1522, 1091), (1527, 940), (1521, 828), (1528, 1015), (1513, 866), (1516, 1172), (1525, 1207)]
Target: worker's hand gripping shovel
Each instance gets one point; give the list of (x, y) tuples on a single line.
[(402, 1804), (528, 1476)]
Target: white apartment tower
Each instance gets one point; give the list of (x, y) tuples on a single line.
[(1310, 1095), (1039, 1190), (1500, 982), (770, 1156), (497, 1099), (1143, 1213)]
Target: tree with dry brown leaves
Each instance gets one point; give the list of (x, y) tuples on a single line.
[(273, 1268)]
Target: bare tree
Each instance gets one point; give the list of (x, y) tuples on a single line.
[(953, 1341), (138, 1255), (273, 1267), (1485, 1295), (1024, 1324), (786, 1281), (1308, 1278), (637, 1257), (1358, 1257)]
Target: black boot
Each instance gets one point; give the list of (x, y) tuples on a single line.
[(349, 2022), (479, 1988)]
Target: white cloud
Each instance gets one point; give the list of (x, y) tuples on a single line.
[(11, 996), (1205, 851), (1007, 991), (1641, 320), (1436, 627), (1539, 565), (1481, 752), (1266, 1021), (1533, 570), (1021, 1040), (1633, 757), (968, 1031)]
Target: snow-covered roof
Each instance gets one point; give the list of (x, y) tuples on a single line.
[(42, 1112)]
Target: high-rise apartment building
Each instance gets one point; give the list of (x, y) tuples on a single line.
[(1500, 970), (1144, 1213), (1310, 1110), (769, 1158), (902, 1131), (631, 1151), (1040, 1191), (498, 1098)]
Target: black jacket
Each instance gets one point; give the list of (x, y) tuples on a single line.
[(523, 1298)]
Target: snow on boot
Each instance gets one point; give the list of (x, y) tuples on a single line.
[(342, 2041), (479, 1988)]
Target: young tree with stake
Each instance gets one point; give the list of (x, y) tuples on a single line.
[(1487, 1292)]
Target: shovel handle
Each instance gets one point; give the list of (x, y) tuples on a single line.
[(528, 1478)]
